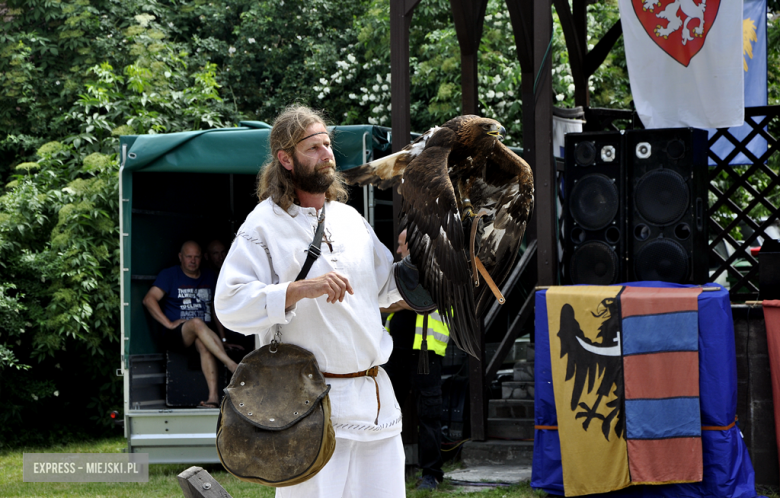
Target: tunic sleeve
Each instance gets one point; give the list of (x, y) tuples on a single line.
[(383, 267), (249, 297)]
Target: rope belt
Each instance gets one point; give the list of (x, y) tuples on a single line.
[(371, 372)]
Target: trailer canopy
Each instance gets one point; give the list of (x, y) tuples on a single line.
[(240, 150)]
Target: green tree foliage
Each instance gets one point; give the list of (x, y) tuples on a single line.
[(47, 50), (59, 253)]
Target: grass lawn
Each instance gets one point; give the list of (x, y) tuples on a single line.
[(163, 481)]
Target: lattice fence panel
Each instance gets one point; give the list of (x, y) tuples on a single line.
[(744, 202)]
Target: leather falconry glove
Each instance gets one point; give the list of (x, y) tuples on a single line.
[(407, 278)]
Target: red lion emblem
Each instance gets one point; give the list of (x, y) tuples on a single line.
[(679, 27)]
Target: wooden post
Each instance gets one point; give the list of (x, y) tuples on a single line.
[(400, 115), (576, 44), (521, 14), (580, 14), (469, 17), (545, 205), (478, 401), (198, 483)]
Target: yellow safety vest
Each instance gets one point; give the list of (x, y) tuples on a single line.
[(438, 333)]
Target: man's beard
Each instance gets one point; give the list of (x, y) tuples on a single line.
[(313, 181)]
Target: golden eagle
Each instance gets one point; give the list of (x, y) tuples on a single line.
[(447, 177), (589, 360)]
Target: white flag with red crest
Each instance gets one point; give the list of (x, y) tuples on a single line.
[(685, 61)]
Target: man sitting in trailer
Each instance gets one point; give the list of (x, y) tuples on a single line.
[(186, 293)]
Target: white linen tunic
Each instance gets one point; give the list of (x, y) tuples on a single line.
[(345, 337)]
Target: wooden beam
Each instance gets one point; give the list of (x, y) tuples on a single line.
[(469, 17), (596, 57), (400, 96), (469, 81), (478, 400), (545, 203), (580, 13), (198, 483), (521, 16), (409, 6), (575, 47), (400, 115)]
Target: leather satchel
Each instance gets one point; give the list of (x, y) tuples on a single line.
[(274, 426)]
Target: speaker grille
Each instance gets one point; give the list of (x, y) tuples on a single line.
[(585, 153), (594, 263), (662, 259), (594, 201), (661, 196)]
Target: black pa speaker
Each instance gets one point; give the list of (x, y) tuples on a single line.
[(666, 193), (594, 208)]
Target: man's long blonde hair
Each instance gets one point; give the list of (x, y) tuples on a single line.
[(274, 180)]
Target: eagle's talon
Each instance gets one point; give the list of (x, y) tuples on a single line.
[(589, 413)]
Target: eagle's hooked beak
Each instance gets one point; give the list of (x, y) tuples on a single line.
[(498, 132)]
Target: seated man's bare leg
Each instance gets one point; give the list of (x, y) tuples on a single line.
[(198, 329), (209, 366)]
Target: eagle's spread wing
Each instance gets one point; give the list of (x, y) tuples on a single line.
[(387, 171), (507, 193), (436, 240), (449, 174)]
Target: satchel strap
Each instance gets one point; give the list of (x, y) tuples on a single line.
[(314, 248)]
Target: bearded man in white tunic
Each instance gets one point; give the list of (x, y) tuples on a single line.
[(333, 312)]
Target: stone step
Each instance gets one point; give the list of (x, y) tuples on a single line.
[(510, 428), (517, 390), (511, 408), (480, 477), (494, 452), (523, 371)]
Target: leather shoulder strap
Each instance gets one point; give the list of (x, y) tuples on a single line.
[(314, 248)]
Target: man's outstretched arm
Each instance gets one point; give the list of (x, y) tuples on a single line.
[(152, 303)]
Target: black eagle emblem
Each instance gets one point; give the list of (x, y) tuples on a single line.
[(588, 361)]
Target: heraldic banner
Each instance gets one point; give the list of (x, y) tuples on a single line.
[(684, 61), (754, 67), (625, 372), (636, 393)]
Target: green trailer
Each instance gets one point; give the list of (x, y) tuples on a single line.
[(197, 185)]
